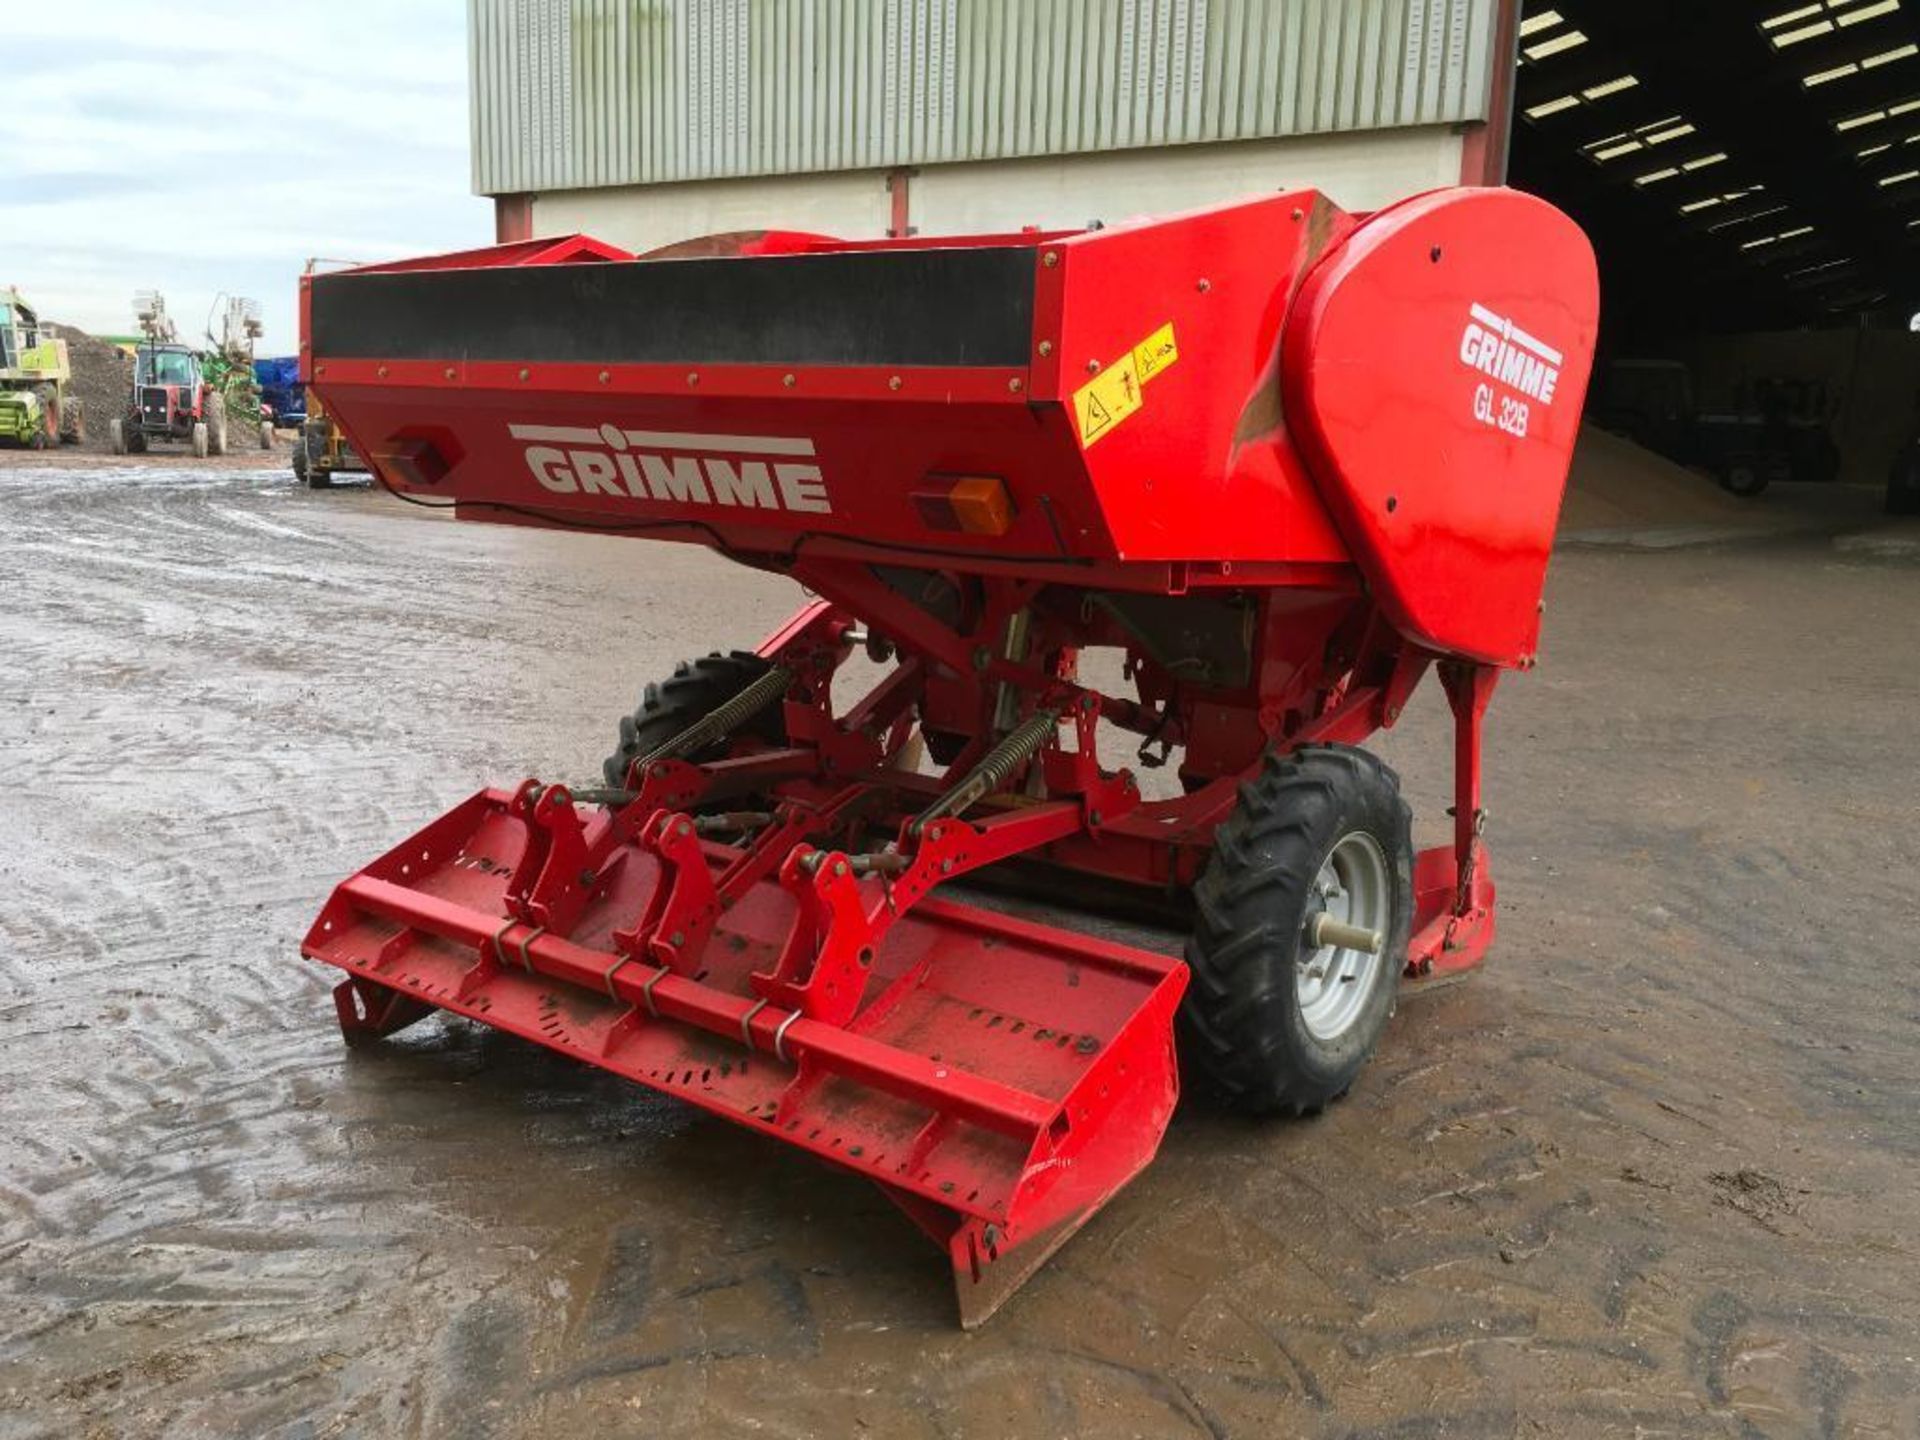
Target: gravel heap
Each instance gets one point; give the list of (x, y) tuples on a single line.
[(1617, 485), (102, 378)]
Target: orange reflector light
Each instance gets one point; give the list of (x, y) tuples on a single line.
[(975, 504)]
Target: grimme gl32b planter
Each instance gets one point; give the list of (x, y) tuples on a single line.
[(1286, 459)]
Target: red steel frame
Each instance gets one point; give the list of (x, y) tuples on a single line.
[(786, 963)]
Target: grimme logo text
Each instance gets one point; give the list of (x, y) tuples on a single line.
[(752, 472), (1495, 346)]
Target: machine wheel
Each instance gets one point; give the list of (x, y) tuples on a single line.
[(266, 433), (49, 397), (1745, 478), (137, 442), (216, 423), (117, 435), (668, 706), (199, 439), (310, 458), (73, 421), (1272, 1024)]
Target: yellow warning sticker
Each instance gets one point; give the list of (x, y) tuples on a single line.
[(1116, 392), (1107, 399), (1155, 353)]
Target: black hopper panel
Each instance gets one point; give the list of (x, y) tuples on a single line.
[(970, 306)]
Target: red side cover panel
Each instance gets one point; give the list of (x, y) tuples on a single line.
[(1435, 368)]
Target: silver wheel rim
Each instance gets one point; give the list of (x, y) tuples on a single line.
[(1333, 984)]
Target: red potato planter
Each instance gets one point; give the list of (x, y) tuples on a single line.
[(1288, 460)]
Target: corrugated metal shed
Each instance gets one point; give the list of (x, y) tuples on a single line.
[(570, 94)]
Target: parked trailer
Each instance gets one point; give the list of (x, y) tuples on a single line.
[(1287, 460)]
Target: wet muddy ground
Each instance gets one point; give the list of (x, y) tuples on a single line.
[(1656, 1171)]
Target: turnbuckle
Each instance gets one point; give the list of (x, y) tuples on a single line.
[(879, 862)]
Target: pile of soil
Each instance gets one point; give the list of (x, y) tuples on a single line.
[(102, 378), (1617, 485)]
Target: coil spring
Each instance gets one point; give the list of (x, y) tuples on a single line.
[(725, 718), (996, 767)]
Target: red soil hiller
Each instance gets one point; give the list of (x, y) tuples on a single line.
[(1282, 459)]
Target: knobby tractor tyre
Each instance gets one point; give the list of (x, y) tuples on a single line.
[(216, 423), (197, 437), (310, 458), (55, 422), (1271, 1024), (696, 687)]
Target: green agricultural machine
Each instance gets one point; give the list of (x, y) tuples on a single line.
[(36, 406)]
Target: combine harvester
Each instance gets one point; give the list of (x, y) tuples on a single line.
[(1287, 460)]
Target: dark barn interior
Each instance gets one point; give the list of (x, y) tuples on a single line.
[(1750, 176)]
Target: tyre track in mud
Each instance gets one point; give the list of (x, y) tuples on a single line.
[(225, 694), (197, 781)]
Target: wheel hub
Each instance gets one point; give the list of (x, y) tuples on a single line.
[(1332, 982)]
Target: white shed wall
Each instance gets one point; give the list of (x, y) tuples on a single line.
[(1359, 170)]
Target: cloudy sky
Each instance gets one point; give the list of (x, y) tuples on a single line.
[(213, 147)]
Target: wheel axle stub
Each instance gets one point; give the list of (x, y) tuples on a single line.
[(1323, 929)]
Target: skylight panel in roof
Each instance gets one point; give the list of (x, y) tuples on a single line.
[(1887, 57), (1806, 270), (1725, 197), (1869, 12), (1611, 87), (1787, 17), (1641, 137), (1588, 96), (1749, 219), (1545, 20), (1567, 40), (1805, 32), (1810, 22), (1764, 240)]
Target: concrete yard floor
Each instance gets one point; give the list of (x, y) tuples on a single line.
[(1655, 1171)]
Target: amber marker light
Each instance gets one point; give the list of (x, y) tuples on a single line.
[(971, 504)]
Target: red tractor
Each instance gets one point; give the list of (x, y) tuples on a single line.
[(171, 401), (1282, 462)]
